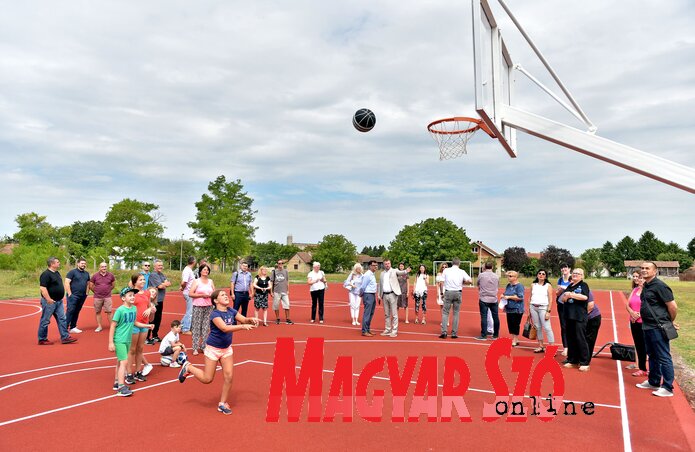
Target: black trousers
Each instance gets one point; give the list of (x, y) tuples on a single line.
[(640, 348), (563, 323), (157, 321), (317, 298), (577, 347), (592, 327), (514, 322)]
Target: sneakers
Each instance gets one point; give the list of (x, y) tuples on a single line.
[(454, 336), (645, 385), (183, 372), (480, 338), (68, 340), (45, 342), (289, 322), (129, 380), (147, 368), (150, 341), (116, 387), (424, 322), (564, 352), (442, 336), (224, 409), (570, 365), (75, 330), (98, 329), (312, 320), (174, 364), (156, 339), (124, 391), (583, 368), (495, 337), (277, 321), (393, 334), (320, 321), (417, 320), (139, 376), (662, 392), (386, 333)]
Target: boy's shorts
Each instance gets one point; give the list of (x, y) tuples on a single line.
[(217, 354), (137, 330), (122, 351), (167, 351), (277, 298)]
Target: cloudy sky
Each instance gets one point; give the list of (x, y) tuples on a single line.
[(152, 100)]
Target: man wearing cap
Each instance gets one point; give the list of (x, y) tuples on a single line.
[(52, 293)]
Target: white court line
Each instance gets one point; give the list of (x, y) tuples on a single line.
[(88, 402), (38, 309), (54, 375), (485, 391), (627, 442)]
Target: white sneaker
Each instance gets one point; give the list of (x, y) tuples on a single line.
[(662, 392), (385, 333), (147, 368), (76, 330), (645, 385), (174, 364), (393, 334), (98, 329)]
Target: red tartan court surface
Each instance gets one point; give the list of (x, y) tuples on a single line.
[(60, 397)]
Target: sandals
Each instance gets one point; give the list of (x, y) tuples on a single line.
[(539, 350), (417, 321)]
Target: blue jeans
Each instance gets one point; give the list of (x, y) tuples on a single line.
[(369, 301), (492, 308), (75, 303), (186, 321), (56, 310), (660, 363)]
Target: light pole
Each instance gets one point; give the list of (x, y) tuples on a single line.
[(181, 256)]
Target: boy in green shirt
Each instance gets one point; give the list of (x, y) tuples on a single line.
[(120, 335)]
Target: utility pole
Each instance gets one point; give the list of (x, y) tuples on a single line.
[(181, 256)]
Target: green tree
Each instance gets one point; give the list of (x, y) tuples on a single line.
[(531, 268), (626, 249), (335, 253), (683, 258), (176, 252), (132, 229), (649, 246), (591, 261), (691, 248), (553, 257), (224, 220), (611, 260), (515, 258), (430, 240), (34, 229), (89, 234), (374, 251), (268, 253)]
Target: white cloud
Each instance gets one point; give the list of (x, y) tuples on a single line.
[(153, 100)]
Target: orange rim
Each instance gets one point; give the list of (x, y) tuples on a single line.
[(478, 124)]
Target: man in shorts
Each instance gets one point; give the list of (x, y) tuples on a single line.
[(281, 292), (102, 284)]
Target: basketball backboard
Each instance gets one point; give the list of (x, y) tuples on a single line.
[(494, 74), (494, 103)]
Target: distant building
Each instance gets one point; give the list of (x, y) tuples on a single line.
[(665, 269), (483, 254), (364, 260), (300, 262), (301, 246)]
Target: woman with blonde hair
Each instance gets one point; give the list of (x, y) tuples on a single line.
[(353, 284), (262, 287)]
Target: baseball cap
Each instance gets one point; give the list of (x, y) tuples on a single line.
[(125, 290)]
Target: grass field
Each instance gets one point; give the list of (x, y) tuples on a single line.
[(15, 284)]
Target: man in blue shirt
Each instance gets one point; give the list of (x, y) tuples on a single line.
[(368, 290), (76, 282), (241, 289)]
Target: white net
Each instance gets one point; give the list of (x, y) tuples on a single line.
[(452, 136)]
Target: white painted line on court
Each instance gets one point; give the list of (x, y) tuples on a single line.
[(11, 303), (88, 402), (627, 442), (54, 375)]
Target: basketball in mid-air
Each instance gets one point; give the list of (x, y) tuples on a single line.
[(364, 120)]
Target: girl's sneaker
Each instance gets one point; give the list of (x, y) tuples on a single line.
[(183, 372), (146, 369), (115, 386), (224, 409), (124, 391)]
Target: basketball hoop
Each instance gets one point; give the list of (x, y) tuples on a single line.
[(452, 135)]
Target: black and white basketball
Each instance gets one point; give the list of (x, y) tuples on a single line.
[(364, 120)]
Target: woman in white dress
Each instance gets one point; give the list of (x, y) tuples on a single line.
[(353, 284), (422, 280)]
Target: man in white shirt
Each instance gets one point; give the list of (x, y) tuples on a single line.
[(187, 278), (454, 279), (389, 290)]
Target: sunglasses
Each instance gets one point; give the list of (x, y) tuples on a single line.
[(541, 274)]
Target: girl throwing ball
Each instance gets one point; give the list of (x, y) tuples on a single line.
[(224, 321)]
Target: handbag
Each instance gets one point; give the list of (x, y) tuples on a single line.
[(668, 330), (529, 330), (619, 352)]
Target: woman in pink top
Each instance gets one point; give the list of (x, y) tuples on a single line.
[(200, 292), (633, 307)]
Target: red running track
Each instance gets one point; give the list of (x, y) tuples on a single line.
[(59, 397)]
